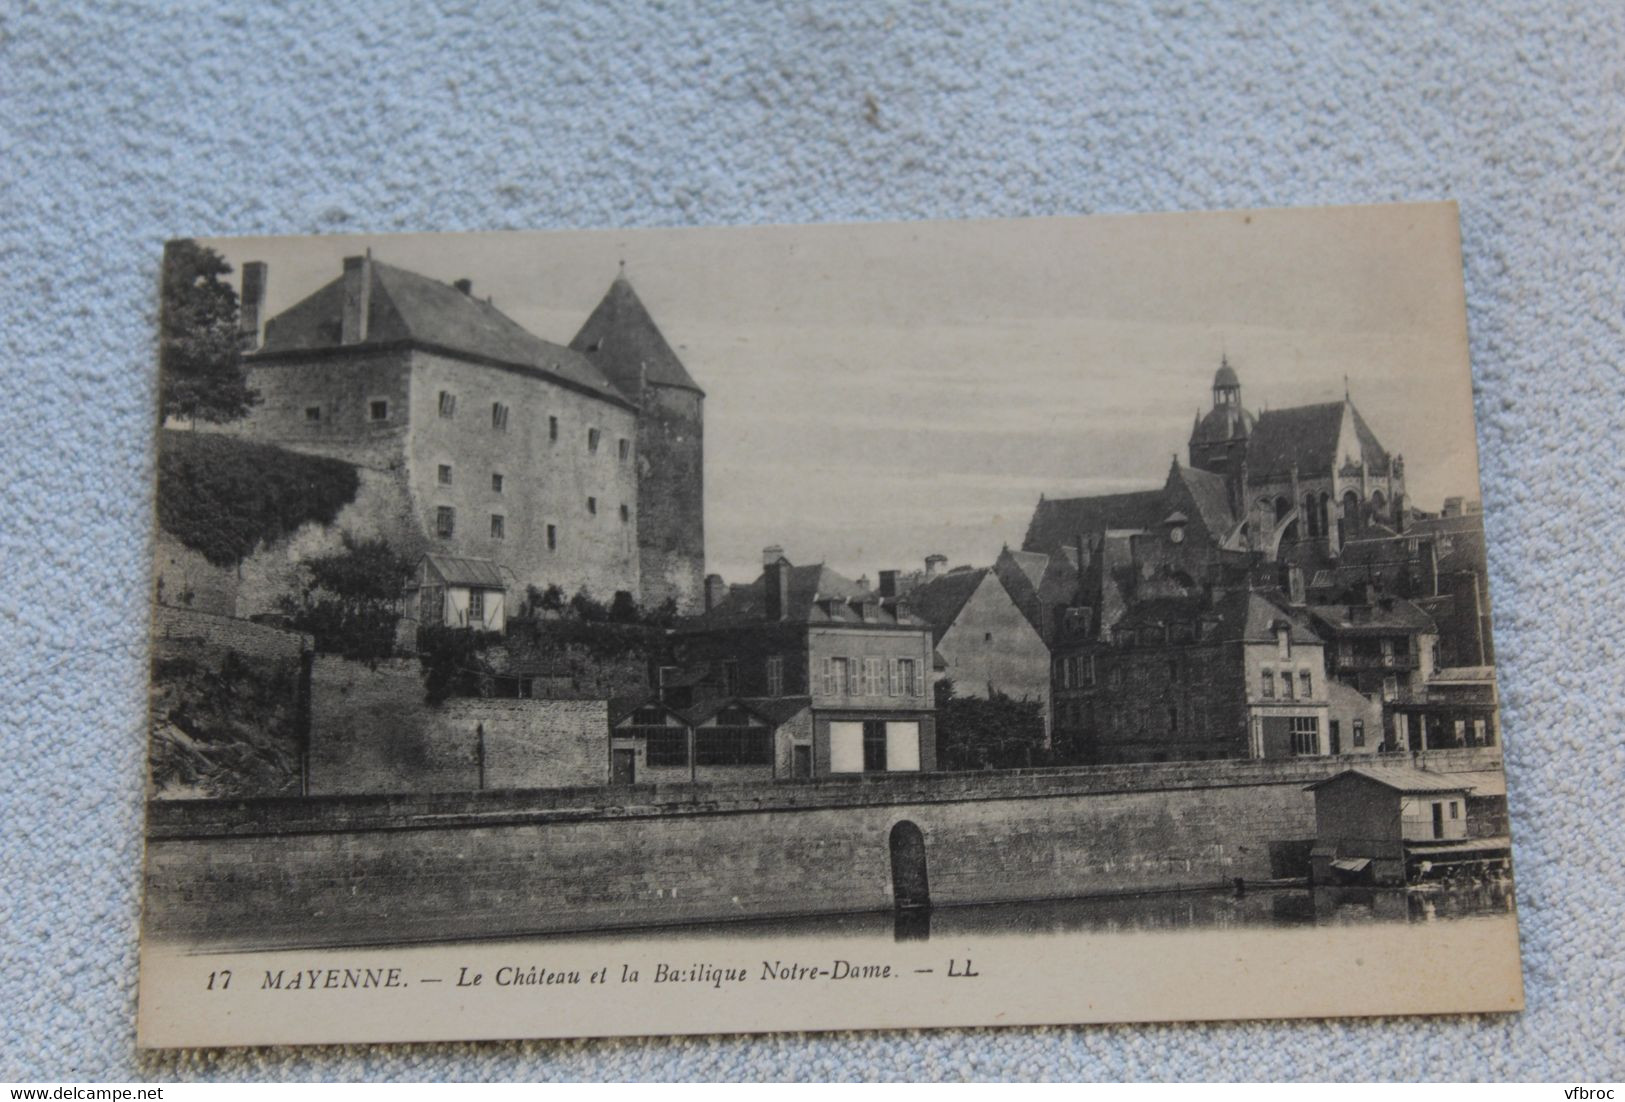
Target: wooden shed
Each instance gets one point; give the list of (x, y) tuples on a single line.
[(1372, 824)]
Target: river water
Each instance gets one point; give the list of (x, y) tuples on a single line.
[(1185, 910)]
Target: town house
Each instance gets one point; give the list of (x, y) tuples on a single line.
[(862, 663)]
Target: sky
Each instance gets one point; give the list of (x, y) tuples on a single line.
[(879, 392)]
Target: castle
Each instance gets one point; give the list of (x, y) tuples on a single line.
[(576, 465)]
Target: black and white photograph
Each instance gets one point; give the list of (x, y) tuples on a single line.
[(852, 626)]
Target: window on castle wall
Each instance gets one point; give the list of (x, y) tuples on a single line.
[(552, 538), (448, 404), (313, 413), (444, 474), (592, 506), (1266, 684), (378, 411), (1286, 685), (624, 447), (499, 526), (593, 436), (1359, 732), (1173, 718), (552, 428), (626, 515), (496, 483), (499, 416), (445, 521), (1306, 684)]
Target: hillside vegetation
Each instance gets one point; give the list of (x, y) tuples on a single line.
[(224, 497)]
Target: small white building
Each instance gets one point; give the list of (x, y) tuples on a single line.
[(461, 592)]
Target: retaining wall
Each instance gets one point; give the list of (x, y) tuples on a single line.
[(392, 868)]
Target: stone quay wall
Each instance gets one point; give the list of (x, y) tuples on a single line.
[(385, 869)]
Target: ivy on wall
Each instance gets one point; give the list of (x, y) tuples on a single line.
[(224, 497)]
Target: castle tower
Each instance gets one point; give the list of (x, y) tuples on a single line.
[(621, 338)]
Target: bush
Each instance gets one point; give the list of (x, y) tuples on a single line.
[(352, 602), (996, 733), (453, 662)]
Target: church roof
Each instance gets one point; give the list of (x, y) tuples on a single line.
[(1211, 496), (406, 306), (622, 338), (1057, 522), (1226, 375), (1307, 436)]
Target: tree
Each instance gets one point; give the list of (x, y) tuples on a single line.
[(352, 599), (998, 732), (200, 367), (624, 609)]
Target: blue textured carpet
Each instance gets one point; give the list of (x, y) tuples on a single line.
[(124, 124)]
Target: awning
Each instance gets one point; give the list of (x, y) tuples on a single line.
[(1351, 864)]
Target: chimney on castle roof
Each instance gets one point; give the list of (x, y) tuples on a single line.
[(464, 285), (357, 298), (251, 308), (934, 565)]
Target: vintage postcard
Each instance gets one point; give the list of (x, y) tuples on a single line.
[(852, 626)]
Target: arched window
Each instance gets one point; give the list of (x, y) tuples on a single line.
[(1351, 513), (1326, 513), (1378, 503), (1311, 520)]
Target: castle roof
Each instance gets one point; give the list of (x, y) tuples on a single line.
[(406, 306), (623, 340)]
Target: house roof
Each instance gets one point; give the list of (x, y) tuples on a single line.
[(620, 707), (1400, 778), (1243, 616), (1032, 564), (476, 573), (1387, 616), (939, 601), (817, 595), (622, 338), (406, 306), (773, 710), (1057, 522)]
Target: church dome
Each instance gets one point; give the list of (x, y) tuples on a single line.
[(1225, 376), (1224, 423)]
